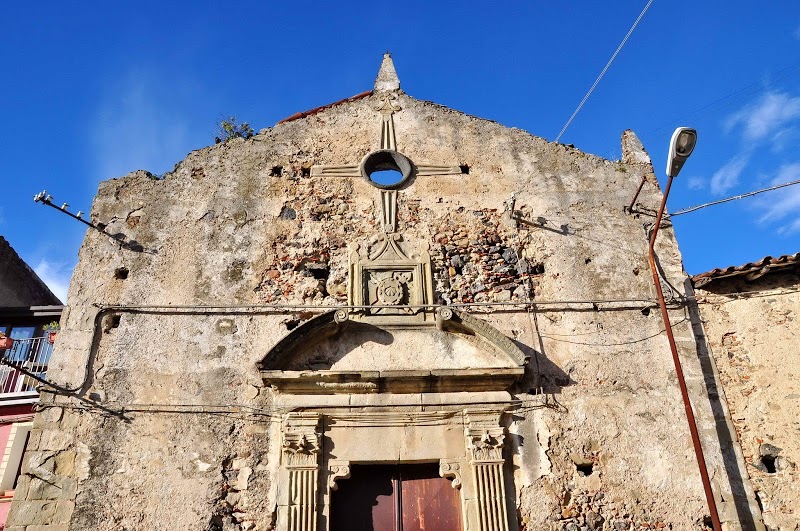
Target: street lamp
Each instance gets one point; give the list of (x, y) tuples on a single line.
[(681, 146)]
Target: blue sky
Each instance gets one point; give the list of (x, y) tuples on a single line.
[(92, 92)]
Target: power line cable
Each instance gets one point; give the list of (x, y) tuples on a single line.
[(737, 96), (740, 196), (596, 81)]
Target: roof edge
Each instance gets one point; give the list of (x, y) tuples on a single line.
[(298, 115)]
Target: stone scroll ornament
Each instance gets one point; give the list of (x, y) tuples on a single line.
[(394, 283)]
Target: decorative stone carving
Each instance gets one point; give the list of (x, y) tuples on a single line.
[(451, 469), (486, 445), (299, 450), (301, 439), (337, 470), (390, 282), (386, 276)]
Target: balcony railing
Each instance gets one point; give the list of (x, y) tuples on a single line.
[(25, 356)]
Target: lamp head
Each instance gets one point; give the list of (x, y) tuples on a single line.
[(680, 147)]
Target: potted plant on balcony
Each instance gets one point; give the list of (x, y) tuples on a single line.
[(5, 342), (51, 329)]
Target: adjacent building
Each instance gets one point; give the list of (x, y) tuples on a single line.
[(750, 317), (27, 306)]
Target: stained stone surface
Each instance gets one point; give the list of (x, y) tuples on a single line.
[(179, 417), (752, 334)]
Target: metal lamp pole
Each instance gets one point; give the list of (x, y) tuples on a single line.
[(681, 146)]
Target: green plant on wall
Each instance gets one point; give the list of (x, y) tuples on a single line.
[(52, 326), (229, 128)]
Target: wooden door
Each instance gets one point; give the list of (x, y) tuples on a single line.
[(395, 498)]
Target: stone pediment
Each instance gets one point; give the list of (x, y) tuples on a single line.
[(332, 353)]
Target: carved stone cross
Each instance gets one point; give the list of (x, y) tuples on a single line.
[(386, 157), (392, 285)]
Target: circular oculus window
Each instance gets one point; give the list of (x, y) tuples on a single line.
[(386, 169)]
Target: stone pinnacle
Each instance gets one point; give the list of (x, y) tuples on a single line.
[(387, 76)]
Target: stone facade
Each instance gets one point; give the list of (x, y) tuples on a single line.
[(752, 332), (282, 317)]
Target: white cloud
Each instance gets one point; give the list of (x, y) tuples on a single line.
[(56, 276), (727, 176), (784, 204), (134, 129), (765, 117), (696, 183)]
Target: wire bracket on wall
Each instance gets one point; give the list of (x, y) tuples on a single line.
[(132, 245)]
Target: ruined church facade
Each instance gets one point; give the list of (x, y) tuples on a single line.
[(283, 329)]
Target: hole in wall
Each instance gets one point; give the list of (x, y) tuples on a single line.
[(464, 169), (121, 273), (318, 271), (584, 469), (645, 311), (769, 463), (587, 261), (305, 171), (276, 171), (537, 269), (292, 324), (110, 322), (708, 522)]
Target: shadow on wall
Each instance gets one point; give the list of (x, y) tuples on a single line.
[(550, 378), (727, 440)]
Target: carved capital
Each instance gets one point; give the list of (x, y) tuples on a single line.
[(485, 436), (301, 440)]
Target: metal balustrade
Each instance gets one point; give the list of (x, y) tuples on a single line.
[(30, 355)]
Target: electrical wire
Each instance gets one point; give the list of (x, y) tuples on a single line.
[(727, 199), (737, 96), (596, 81)]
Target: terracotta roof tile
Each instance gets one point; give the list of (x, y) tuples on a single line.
[(751, 270), (298, 115)]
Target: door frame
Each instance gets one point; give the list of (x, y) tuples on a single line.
[(317, 450)]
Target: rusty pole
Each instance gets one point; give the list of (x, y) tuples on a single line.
[(636, 195), (698, 449)]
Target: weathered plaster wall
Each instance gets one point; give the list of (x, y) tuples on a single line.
[(177, 416), (752, 331)]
